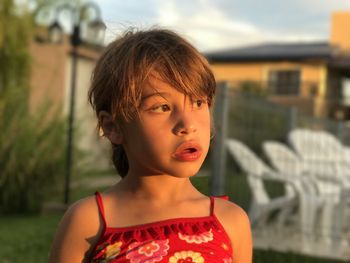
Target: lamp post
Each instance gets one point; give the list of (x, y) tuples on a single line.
[(96, 30)]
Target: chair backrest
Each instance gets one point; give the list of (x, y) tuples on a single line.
[(305, 143), (252, 166), (284, 160), (309, 146), (321, 153), (316, 144), (336, 153), (331, 146), (347, 153)]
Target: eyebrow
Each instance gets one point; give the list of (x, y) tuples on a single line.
[(156, 94)]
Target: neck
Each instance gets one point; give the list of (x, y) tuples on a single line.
[(157, 188)]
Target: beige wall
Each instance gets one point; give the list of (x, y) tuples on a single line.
[(51, 81), (311, 71), (47, 73), (87, 138), (340, 33), (237, 71)]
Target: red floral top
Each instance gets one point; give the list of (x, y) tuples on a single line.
[(179, 240)]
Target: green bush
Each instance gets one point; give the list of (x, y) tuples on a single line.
[(252, 119), (32, 150), (253, 87), (32, 146)]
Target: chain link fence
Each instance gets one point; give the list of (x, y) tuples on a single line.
[(253, 120)]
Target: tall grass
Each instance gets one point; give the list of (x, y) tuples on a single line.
[(32, 150)]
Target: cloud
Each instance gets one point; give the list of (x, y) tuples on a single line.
[(215, 24), (204, 24), (325, 5)]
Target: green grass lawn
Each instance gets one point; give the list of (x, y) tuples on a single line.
[(28, 238)]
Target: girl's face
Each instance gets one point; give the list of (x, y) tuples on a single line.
[(171, 135)]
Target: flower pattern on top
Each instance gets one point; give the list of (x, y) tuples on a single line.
[(225, 246), (108, 252), (203, 237), (148, 251), (186, 257), (195, 240)]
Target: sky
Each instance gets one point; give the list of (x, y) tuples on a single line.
[(221, 24)]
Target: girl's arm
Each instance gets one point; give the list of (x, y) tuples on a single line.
[(77, 233), (241, 237), (237, 225)]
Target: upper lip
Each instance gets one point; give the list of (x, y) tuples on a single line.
[(188, 145)]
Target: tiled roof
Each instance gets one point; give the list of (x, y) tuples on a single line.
[(274, 51)]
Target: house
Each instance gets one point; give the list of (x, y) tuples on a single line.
[(51, 76), (312, 76)]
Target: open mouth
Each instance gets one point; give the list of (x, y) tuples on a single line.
[(190, 150), (187, 151)]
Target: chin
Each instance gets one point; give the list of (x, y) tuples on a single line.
[(183, 176), (185, 172)]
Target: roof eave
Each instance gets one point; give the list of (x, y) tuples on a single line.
[(267, 58)]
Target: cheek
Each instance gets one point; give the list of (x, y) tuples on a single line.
[(153, 135), (205, 122), (153, 128)]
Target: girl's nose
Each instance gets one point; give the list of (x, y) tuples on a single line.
[(185, 125)]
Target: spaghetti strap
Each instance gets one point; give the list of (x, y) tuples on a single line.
[(101, 208), (169, 236), (212, 201)]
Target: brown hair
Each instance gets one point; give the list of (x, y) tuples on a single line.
[(127, 64)]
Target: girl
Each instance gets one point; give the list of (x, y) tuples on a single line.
[(152, 92)]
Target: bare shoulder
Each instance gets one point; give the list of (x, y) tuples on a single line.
[(230, 210), (237, 225), (85, 214), (77, 232)]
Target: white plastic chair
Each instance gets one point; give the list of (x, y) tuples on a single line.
[(322, 155), (256, 170), (316, 160), (289, 164), (337, 154)]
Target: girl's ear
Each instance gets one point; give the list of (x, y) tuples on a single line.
[(110, 128)]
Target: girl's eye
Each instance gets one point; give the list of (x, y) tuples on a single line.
[(161, 108), (199, 103)]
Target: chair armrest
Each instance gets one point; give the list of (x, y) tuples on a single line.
[(297, 185), (335, 180)]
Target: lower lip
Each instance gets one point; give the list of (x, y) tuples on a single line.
[(187, 156)]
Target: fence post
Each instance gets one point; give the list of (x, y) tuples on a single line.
[(218, 148), (292, 118), (340, 130)]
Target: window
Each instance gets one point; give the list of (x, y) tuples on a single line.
[(284, 82)]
